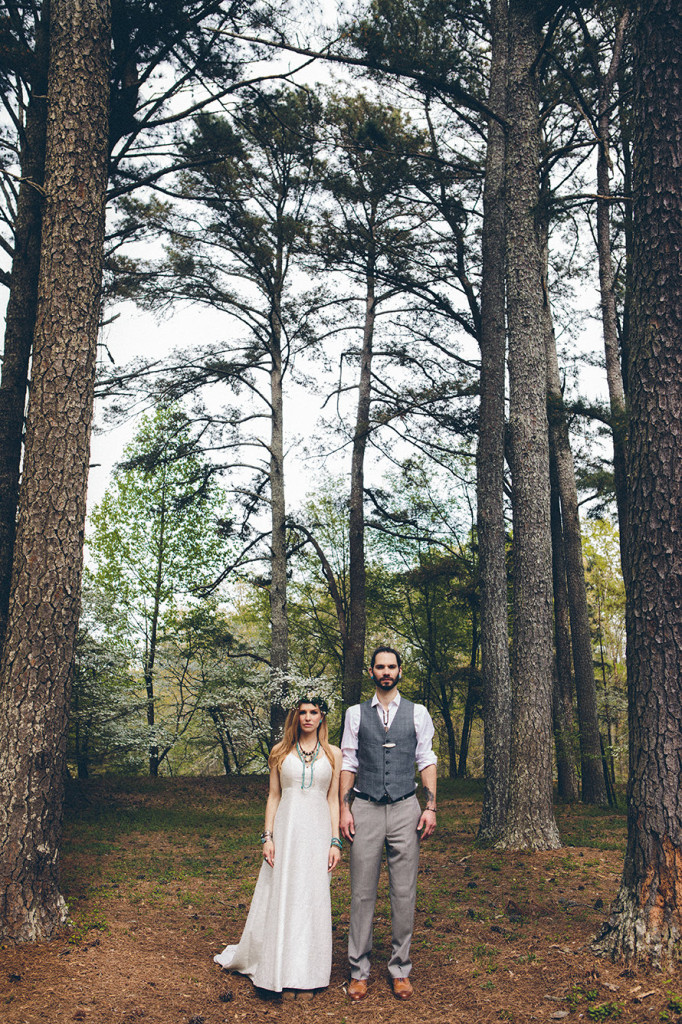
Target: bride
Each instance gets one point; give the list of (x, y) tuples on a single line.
[(286, 945)]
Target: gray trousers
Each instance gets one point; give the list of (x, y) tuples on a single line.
[(393, 827)]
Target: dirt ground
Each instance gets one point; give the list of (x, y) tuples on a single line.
[(158, 877)]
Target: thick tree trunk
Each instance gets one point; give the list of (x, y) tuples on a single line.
[(565, 732), (490, 459), (592, 774), (21, 308), (354, 655), (37, 660), (530, 820), (646, 917)]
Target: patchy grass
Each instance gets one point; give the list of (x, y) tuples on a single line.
[(159, 873)]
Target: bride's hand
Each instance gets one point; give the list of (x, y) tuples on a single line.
[(269, 853), (334, 857)]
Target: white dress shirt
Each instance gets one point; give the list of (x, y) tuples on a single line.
[(423, 727)]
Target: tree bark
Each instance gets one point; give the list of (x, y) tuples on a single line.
[(354, 654), (279, 640), (150, 654), (646, 917), (36, 665), (490, 459), (20, 317), (592, 774), (449, 727), (530, 821), (470, 704), (614, 374), (565, 732)]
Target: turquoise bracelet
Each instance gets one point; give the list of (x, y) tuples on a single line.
[(337, 843)]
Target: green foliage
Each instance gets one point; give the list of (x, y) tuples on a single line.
[(675, 1003), (430, 40), (375, 225), (83, 923), (606, 600), (156, 545), (106, 706), (155, 534), (605, 1011)]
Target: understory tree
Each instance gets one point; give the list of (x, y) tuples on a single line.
[(373, 234), (156, 544), (234, 247)]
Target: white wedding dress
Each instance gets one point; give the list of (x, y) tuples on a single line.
[(287, 939)]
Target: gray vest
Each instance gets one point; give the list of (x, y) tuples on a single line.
[(386, 770)]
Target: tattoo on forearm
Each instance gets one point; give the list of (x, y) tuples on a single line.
[(430, 800), (349, 797)]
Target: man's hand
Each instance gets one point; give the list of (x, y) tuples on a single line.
[(427, 822), (346, 822)]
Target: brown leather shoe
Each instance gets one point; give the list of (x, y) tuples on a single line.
[(357, 989), (402, 988)]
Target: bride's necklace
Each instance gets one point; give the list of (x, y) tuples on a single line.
[(307, 757)]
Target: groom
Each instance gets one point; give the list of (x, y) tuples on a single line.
[(382, 741)]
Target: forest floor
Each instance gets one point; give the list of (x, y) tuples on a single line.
[(158, 876)]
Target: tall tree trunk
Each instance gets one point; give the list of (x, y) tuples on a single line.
[(80, 744), (614, 374), (530, 821), (35, 670), (279, 638), (470, 704), (467, 723), (449, 726), (20, 317), (354, 660), (565, 732), (593, 783), (150, 656), (490, 459), (646, 917), (610, 734)]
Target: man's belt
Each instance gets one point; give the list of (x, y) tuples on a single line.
[(384, 799)]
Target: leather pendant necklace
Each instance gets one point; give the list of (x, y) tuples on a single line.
[(384, 715)]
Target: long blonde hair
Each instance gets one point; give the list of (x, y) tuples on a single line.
[(290, 737)]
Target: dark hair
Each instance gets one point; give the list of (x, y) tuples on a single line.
[(382, 649)]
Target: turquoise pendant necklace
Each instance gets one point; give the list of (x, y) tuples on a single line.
[(307, 759)]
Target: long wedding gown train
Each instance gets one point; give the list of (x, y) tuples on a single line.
[(287, 939)]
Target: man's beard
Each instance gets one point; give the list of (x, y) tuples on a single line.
[(386, 684)]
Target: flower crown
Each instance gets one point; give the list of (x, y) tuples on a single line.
[(295, 690), (310, 698)]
